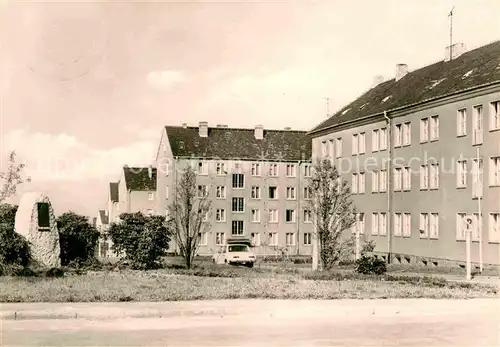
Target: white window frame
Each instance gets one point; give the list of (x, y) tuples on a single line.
[(375, 223), (290, 239), (220, 215), (203, 192), (494, 171), (273, 215), (307, 239), (494, 227), (434, 226), (383, 224), (324, 149), (382, 186), (398, 179), (239, 230), (273, 170), (202, 168), (383, 139), (291, 170), (424, 226), (424, 177), (375, 140), (240, 181), (406, 224), (424, 129), (338, 147), (307, 193), (477, 124), (407, 134), (220, 239), (355, 143), (220, 192), (255, 193), (375, 181), (434, 135), (354, 183), (307, 170), (220, 169), (273, 238), (477, 223), (290, 193), (461, 173), (203, 238), (238, 199), (406, 178), (462, 122), (460, 230), (255, 215), (398, 135), (166, 192), (256, 172), (361, 183), (307, 216), (292, 214), (276, 196), (255, 237), (362, 143), (331, 148), (495, 115), (477, 177), (398, 224), (434, 176)]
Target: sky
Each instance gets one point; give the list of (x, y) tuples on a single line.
[(86, 87)]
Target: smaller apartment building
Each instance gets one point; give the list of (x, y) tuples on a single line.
[(410, 148), (254, 177)]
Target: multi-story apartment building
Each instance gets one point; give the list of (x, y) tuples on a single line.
[(421, 152), (254, 177)]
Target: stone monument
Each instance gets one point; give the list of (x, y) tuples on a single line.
[(35, 220)]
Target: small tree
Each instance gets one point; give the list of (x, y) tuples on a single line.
[(189, 212), (333, 213), (77, 238), (11, 178), (142, 239)]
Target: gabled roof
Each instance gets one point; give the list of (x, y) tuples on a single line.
[(103, 217), (113, 191), (138, 179), (234, 143), (475, 68)]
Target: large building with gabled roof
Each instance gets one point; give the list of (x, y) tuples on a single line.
[(254, 178), (422, 153)]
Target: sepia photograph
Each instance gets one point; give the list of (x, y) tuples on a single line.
[(250, 173)]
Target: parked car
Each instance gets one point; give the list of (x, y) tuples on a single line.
[(235, 252)]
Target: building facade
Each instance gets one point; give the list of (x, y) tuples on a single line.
[(421, 152), (254, 178)]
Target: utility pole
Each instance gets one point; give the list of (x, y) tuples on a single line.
[(480, 215), (451, 32), (468, 230)]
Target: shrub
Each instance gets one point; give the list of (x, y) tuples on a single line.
[(369, 265), (14, 248), (54, 272)]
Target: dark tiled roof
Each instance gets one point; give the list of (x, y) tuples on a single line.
[(137, 178), (474, 68), (113, 191), (103, 217), (230, 143)]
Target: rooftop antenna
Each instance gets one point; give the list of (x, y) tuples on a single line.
[(451, 32)]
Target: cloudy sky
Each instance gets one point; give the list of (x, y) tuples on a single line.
[(86, 87)]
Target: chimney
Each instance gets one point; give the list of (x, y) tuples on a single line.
[(401, 71), (454, 51), (259, 132), (377, 80), (184, 125), (203, 129), (150, 171)]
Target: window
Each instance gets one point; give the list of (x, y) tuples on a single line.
[(290, 193), (407, 134), (495, 171), (202, 191), (307, 238), (354, 183), (406, 224), (477, 125), (382, 181), (461, 174), (495, 115), (424, 176), (383, 139), (324, 149), (398, 135), (238, 181), (424, 225), (220, 238), (202, 168), (375, 225), (424, 130), (151, 196), (477, 224), (362, 143), (273, 239), (460, 226), (383, 224), (338, 147), (494, 227), (166, 192), (398, 179), (220, 215), (331, 148), (256, 216), (203, 239), (290, 170), (273, 170), (477, 178), (255, 192), (273, 216), (255, 169), (398, 224), (273, 193), (290, 216), (361, 183), (238, 205), (307, 193), (462, 122), (355, 144), (237, 227), (307, 171), (375, 140), (434, 176), (434, 227), (307, 216), (220, 192), (375, 181), (359, 226), (434, 128), (290, 239), (43, 210), (220, 169), (406, 178), (255, 239)]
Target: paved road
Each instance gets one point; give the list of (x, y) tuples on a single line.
[(255, 323)]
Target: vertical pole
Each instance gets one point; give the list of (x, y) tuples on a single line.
[(358, 246), (467, 241), (480, 219)]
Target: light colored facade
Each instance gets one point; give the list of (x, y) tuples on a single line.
[(259, 197), (412, 165)]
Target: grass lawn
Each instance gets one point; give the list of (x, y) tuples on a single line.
[(227, 282)]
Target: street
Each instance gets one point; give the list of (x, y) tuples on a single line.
[(255, 323)]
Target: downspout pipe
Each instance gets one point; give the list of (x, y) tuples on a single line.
[(299, 196), (389, 188)]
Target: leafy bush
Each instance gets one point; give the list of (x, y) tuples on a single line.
[(369, 265), (14, 249), (142, 239), (54, 272), (77, 238)]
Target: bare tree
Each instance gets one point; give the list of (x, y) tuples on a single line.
[(333, 213), (11, 178), (189, 215)]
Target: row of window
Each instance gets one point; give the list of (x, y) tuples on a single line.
[(221, 169), (429, 131), (220, 192), (429, 177), (273, 214), (272, 239), (428, 225)]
